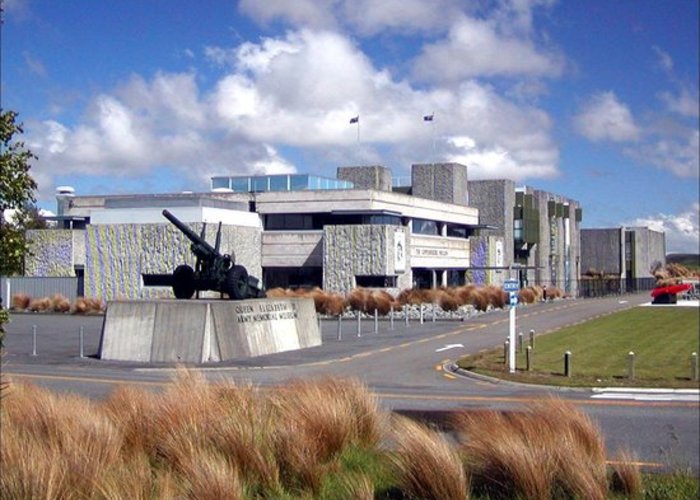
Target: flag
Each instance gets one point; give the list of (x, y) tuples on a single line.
[(428, 118), (355, 119)]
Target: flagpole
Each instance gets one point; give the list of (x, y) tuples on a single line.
[(358, 131), (433, 130)]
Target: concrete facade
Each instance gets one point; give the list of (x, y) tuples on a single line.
[(625, 252), (446, 182), (540, 232)]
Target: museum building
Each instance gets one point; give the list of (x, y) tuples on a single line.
[(360, 229)]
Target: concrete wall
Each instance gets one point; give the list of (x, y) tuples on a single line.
[(495, 200), (365, 250), (650, 249), (367, 177), (603, 250), (292, 248), (446, 182), (53, 252), (118, 254)]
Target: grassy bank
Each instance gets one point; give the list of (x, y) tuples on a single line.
[(324, 439), (662, 340)]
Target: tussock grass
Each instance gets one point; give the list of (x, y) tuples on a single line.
[(427, 466), (551, 449), (625, 477), (323, 438), (20, 301)]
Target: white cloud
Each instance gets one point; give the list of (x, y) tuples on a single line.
[(478, 48), (365, 17), (604, 117), (299, 90), (310, 13), (682, 232), (679, 153), (685, 103), (663, 59)]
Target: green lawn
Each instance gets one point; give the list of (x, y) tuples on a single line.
[(661, 338)]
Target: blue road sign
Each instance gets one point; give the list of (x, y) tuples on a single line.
[(511, 286)]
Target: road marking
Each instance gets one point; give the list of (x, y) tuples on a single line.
[(449, 375), (641, 394), (448, 347)]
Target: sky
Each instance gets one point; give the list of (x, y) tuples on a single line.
[(595, 100)]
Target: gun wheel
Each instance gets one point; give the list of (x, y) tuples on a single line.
[(183, 282), (237, 283)]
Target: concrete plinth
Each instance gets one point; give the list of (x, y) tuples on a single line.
[(201, 331)]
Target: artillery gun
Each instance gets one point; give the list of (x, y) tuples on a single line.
[(212, 271)]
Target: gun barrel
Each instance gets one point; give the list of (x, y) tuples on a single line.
[(191, 235)]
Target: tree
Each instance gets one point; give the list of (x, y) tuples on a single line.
[(16, 192)]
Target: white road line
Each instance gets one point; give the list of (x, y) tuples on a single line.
[(687, 395)]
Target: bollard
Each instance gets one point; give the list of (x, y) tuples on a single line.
[(520, 342), (405, 308), (567, 364), (506, 345), (694, 366), (434, 313), (421, 313), (376, 321), (391, 318), (528, 358), (82, 342), (630, 365), (532, 339), (318, 320), (340, 327), (359, 323), (33, 340)]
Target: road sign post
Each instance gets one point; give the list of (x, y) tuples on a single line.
[(512, 287)]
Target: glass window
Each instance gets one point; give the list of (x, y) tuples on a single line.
[(278, 182), (376, 281), (220, 182), (259, 183), (240, 184), (423, 226), (299, 182)]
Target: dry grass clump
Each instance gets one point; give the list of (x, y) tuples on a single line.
[(527, 296), (413, 296), (39, 305), (625, 477), (358, 298), (549, 450), (59, 303), (276, 293), (20, 301), (496, 296), (449, 301), (381, 301), (54, 446), (87, 305), (427, 466), (334, 305)]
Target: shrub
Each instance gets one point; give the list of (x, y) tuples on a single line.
[(40, 305), (20, 301), (625, 477)]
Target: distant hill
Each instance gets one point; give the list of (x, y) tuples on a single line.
[(689, 260)]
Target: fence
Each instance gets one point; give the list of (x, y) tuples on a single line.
[(601, 287), (71, 288)]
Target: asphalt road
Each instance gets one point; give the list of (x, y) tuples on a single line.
[(407, 366)]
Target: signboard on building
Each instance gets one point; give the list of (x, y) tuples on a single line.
[(399, 251)]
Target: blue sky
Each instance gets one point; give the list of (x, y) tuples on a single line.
[(595, 100)]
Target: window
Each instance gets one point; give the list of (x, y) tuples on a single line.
[(423, 226), (219, 182), (376, 281), (278, 182), (240, 184), (289, 222)]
